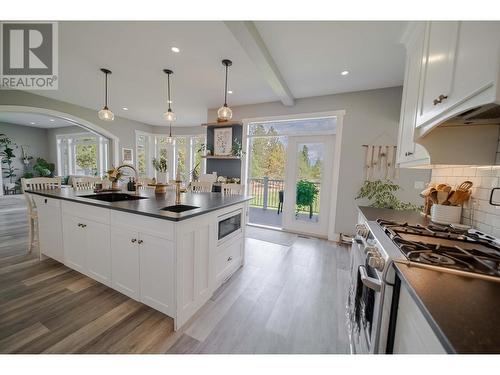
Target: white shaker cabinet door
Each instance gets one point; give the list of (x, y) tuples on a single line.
[(49, 230), (156, 258), (74, 242), (438, 62), (125, 261), (98, 251)]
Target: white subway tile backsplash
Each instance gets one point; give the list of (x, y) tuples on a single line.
[(485, 217)]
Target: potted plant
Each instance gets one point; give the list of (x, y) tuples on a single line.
[(8, 160), (237, 149), (160, 166), (381, 195), (44, 168), (307, 192), (114, 176)]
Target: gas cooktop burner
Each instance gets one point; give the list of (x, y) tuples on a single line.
[(436, 259), (446, 247)]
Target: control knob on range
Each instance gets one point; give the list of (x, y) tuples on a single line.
[(362, 230), (376, 262)]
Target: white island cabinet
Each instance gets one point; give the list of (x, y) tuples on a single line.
[(171, 266)]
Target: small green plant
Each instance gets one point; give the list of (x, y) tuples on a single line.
[(237, 149), (8, 157), (307, 192), (160, 164), (44, 168), (381, 195)]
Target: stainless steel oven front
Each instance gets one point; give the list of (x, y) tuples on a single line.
[(368, 297)]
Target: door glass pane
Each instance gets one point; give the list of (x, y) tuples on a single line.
[(180, 147), (197, 153), (310, 157), (266, 177)]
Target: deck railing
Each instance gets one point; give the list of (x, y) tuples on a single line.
[(265, 192)]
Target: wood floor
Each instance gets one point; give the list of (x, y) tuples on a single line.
[(286, 299)]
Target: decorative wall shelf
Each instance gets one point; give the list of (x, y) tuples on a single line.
[(222, 124), (221, 157)]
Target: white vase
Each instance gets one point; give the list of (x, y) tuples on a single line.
[(161, 177)]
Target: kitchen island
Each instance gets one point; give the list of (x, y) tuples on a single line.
[(169, 256)]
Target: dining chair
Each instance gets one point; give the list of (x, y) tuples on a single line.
[(85, 183), (232, 189), (37, 183), (201, 187)]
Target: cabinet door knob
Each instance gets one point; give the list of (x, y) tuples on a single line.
[(133, 240), (408, 153), (140, 241), (440, 99), (229, 259)]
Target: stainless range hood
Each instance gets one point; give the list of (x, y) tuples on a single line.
[(469, 138)]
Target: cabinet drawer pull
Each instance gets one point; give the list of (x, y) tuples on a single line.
[(440, 99), (140, 241), (408, 153), (229, 259), (133, 240)]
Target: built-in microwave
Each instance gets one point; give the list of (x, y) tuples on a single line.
[(229, 225)]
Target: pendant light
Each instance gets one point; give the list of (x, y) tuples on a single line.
[(225, 113), (169, 115), (105, 114)]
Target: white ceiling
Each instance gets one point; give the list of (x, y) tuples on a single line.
[(34, 120), (309, 55)]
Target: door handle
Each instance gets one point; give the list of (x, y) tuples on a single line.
[(369, 282)]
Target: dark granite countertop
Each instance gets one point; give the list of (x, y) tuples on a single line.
[(152, 206), (405, 216), (462, 311)]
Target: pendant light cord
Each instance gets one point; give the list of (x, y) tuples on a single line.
[(168, 92), (225, 90), (106, 91)]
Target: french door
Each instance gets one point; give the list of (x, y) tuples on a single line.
[(308, 184)]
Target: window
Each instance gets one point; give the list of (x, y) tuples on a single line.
[(184, 153), (82, 154)]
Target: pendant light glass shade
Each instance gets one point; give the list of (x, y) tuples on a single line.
[(105, 114), (169, 115), (225, 113)]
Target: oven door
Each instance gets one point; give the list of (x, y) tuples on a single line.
[(364, 303)]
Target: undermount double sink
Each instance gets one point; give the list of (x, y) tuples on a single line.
[(121, 197)]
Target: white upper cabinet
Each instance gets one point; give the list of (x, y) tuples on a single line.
[(408, 151), (438, 60), (460, 69)]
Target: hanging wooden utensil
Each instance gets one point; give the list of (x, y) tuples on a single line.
[(466, 185), (368, 163)]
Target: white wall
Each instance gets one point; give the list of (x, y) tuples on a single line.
[(121, 127), (36, 138), (372, 117)]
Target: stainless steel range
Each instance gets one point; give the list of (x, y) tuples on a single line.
[(465, 252), (379, 244)]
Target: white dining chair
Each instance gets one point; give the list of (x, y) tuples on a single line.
[(232, 189), (201, 187), (85, 183), (37, 183)]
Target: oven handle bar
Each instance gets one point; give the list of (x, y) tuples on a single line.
[(368, 281)]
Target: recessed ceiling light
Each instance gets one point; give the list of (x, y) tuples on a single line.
[(125, 108), (52, 120), (345, 72), (32, 123), (229, 91), (175, 49)]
